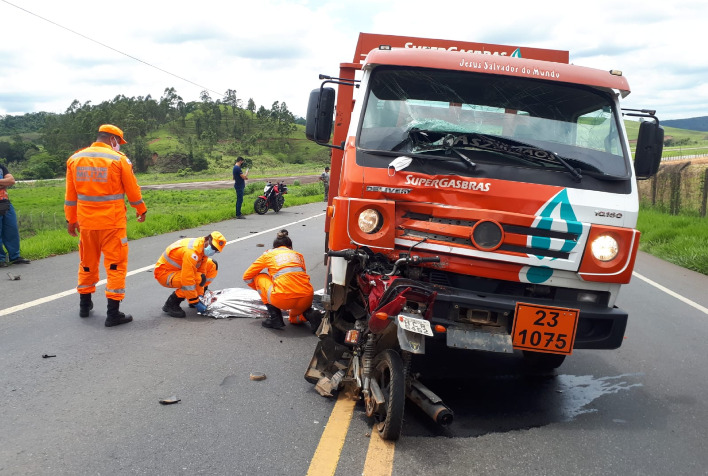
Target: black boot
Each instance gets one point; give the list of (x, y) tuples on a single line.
[(114, 317), (172, 307), (85, 305), (314, 318), (275, 318)]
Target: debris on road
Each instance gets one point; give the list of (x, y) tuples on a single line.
[(47, 356), (257, 376), (13, 277), (170, 400)]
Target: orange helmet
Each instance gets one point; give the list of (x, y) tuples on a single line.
[(111, 129), (218, 241)]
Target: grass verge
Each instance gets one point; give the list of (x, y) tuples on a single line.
[(40, 211), (679, 239)]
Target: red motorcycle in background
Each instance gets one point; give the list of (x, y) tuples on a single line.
[(273, 197)]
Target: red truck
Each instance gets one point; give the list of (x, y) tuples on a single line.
[(482, 198)]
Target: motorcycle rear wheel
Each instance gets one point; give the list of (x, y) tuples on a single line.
[(388, 373), (260, 206)]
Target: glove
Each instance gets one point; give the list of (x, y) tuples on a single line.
[(203, 280), (201, 307)]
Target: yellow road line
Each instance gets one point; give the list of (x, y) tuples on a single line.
[(379, 458), (324, 462)]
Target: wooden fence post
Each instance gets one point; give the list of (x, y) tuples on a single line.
[(705, 194)]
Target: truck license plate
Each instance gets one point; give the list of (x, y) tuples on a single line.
[(413, 324), (544, 328)]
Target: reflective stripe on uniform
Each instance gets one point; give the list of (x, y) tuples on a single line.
[(294, 269), (169, 279), (81, 286), (136, 203), (101, 198), (189, 288), (101, 155), (171, 261), (116, 291), (70, 203)]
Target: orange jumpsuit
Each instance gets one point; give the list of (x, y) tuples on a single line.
[(181, 266), (97, 181), (280, 277)]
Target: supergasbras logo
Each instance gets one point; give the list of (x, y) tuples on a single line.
[(447, 183)]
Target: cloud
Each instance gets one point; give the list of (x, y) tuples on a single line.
[(273, 50)]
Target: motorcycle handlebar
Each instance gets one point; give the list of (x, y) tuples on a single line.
[(431, 259)]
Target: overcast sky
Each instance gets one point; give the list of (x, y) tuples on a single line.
[(53, 52)]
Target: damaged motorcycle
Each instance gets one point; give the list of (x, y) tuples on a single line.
[(366, 344)]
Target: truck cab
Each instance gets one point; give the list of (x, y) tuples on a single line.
[(508, 164)]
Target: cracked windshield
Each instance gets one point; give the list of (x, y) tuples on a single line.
[(503, 120)]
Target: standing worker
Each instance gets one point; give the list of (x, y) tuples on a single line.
[(187, 266), (9, 231), (280, 277), (97, 180), (324, 178), (239, 184)]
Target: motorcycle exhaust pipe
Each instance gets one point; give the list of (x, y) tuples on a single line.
[(430, 403)]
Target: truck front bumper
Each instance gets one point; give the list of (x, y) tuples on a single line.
[(599, 327)]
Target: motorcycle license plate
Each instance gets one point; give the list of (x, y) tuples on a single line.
[(544, 328), (413, 324)]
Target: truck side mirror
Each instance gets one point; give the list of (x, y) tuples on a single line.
[(320, 110), (650, 144)]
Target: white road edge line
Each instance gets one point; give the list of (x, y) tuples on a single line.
[(704, 310), (44, 300)]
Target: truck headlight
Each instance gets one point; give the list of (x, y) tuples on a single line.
[(604, 248), (370, 221)]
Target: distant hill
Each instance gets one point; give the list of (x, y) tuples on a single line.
[(691, 124)]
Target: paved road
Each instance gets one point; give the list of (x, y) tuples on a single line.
[(93, 409)]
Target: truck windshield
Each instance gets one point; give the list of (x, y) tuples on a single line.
[(574, 122)]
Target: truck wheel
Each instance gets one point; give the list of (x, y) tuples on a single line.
[(388, 373), (260, 206), (542, 362)]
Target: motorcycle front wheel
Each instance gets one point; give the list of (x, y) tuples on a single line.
[(388, 373), (260, 206), (279, 203)]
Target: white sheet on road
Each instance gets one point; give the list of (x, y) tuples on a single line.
[(242, 302)]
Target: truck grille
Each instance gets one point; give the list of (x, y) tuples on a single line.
[(517, 239)]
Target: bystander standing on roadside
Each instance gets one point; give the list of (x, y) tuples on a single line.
[(9, 231), (239, 184), (324, 178)]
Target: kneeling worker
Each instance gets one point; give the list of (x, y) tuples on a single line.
[(186, 265), (280, 277)]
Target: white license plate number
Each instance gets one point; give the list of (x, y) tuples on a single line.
[(413, 324)]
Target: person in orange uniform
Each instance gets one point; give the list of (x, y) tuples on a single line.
[(187, 266), (97, 180), (280, 277)]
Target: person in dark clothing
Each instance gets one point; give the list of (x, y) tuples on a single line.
[(9, 232), (239, 184)]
